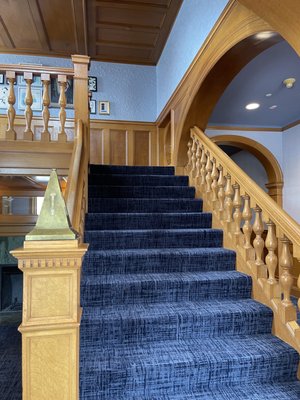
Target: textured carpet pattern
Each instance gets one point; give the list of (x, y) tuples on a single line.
[(165, 314)]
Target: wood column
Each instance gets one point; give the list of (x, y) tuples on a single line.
[(51, 318)]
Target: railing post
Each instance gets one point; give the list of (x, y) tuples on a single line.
[(271, 285), (81, 92), (286, 307), (11, 112), (45, 135), (51, 262)]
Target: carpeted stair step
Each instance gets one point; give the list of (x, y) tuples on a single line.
[(103, 221), (153, 238), (174, 321), (132, 261), (273, 391), (150, 192), (138, 180), (127, 170), (112, 205), (109, 290), (167, 368)]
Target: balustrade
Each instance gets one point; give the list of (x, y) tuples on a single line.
[(33, 86), (243, 210)]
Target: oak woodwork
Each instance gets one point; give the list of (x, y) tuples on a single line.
[(250, 260), (28, 134), (270, 163), (11, 112), (45, 134)]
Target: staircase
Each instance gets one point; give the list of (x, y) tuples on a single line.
[(165, 314)]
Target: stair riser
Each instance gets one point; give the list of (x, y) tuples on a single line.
[(163, 291), (173, 327), (150, 192), (147, 221), (138, 239), (116, 169), (95, 264), (138, 180), (171, 377), (111, 205)]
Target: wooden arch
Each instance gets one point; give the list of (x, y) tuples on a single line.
[(270, 163), (230, 46)]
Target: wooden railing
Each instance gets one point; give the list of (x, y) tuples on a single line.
[(243, 210), (51, 256), (76, 190)]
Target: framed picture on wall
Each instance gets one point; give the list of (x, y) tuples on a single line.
[(1, 79), (104, 107), (36, 96), (55, 92), (92, 83), (4, 96), (92, 106), (36, 81)]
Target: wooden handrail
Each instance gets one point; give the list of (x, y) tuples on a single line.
[(75, 194), (226, 189), (37, 69), (270, 209), (71, 189)]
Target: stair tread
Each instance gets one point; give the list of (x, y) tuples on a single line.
[(170, 276), (258, 391), (217, 350), (128, 169), (170, 251), (141, 311)]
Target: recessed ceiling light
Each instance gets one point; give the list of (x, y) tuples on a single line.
[(268, 94), (264, 35), (252, 106), (273, 107)]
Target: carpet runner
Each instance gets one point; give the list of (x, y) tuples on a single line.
[(165, 314)]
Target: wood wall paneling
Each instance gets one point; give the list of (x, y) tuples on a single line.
[(141, 148), (117, 147)]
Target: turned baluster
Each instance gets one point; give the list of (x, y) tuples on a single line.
[(258, 242), (45, 136), (214, 185), (198, 164), (286, 278), (202, 171), (28, 134), (208, 178), (228, 205), (189, 156), (247, 228), (194, 148), (237, 214), (271, 261), (11, 112), (298, 284), (221, 192), (62, 81)]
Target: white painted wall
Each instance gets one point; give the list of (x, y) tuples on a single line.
[(195, 20), (271, 140), (291, 169), (252, 166)]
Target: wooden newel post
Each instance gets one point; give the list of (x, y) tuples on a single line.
[(81, 92), (51, 263)]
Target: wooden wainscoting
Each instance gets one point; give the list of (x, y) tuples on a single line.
[(123, 143)]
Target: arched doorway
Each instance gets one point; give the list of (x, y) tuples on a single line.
[(229, 50), (269, 162)]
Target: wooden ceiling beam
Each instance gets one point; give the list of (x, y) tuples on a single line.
[(39, 25), (5, 36), (80, 26)]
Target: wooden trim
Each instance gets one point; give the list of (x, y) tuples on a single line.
[(37, 69), (243, 128), (95, 122), (291, 125)]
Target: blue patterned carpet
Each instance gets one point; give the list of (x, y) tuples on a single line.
[(10, 363), (165, 314)]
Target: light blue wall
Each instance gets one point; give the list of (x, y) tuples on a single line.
[(195, 20), (131, 89)]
